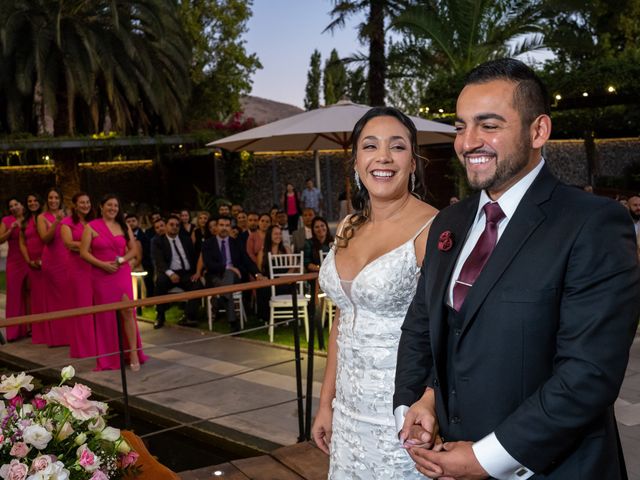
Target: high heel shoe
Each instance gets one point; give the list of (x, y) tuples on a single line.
[(135, 367)]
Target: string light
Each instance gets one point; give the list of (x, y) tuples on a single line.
[(558, 96), (611, 89), (585, 94)]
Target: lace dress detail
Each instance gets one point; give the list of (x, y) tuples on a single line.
[(364, 443)]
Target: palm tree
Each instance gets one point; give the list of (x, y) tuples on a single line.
[(372, 33), (83, 62), (457, 35)]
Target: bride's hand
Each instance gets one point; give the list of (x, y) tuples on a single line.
[(420, 428), (321, 429)]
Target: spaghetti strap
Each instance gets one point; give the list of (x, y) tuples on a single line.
[(421, 229)]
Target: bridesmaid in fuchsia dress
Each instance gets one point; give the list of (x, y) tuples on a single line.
[(108, 245), (55, 261), (31, 247), (83, 333), (17, 269)]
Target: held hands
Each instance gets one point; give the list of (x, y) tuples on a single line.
[(420, 428), (321, 430), (174, 277), (455, 460)]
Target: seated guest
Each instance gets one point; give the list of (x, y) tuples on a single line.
[(153, 218), (255, 241), (301, 235), (241, 222), (225, 263), (175, 264), (234, 232), (200, 233), (159, 228), (235, 210), (212, 227), (272, 244), (224, 210), (283, 222), (252, 221), (320, 242), (185, 221)]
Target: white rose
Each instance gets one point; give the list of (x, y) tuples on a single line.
[(80, 439), (54, 471), (96, 425), (68, 373), (64, 432), (110, 434), (37, 436), (12, 384), (123, 446)]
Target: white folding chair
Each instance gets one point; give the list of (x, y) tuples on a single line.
[(281, 306), (328, 307), (237, 304)]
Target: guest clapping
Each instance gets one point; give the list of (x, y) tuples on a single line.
[(320, 241)]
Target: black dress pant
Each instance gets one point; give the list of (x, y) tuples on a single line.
[(164, 284)]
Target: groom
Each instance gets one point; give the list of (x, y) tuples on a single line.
[(517, 340)]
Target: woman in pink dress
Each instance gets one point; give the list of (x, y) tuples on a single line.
[(109, 244), (83, 333), (291, 205), (55, 260), (31, 247), (17, 269)]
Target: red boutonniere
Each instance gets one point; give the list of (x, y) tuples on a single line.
[(445, 242)]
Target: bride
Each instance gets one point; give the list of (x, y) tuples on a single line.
[(371, 275)]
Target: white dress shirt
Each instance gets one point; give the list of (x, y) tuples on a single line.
[(177, 252), (490, 453)]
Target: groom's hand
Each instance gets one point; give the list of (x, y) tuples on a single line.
[(420, 427), (455, 460)]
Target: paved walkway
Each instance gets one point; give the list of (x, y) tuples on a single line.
[(200, 364)]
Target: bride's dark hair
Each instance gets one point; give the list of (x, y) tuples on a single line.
[(360, 199)]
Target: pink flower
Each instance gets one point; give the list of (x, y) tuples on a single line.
[(39, 403), (445, 241), (99, 475), (128, 459), (19, 450), (14, 470), (16, 401), (87, 459), (77, 400), (41, 463)]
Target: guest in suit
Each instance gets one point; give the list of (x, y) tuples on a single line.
[(175, 264), (304, 233), (225, 262), (518, 336)]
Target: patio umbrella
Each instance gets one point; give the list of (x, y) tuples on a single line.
[(326, 128)]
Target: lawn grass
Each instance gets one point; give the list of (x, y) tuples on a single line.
[(283, 335)]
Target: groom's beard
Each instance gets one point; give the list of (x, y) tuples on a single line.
[(634, 216)]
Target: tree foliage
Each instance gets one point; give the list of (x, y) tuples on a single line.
[(83, 65), (314, 81), (447, 38), (221, 69), (335, 79), (371, 33)]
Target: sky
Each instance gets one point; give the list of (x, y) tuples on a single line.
[(284, 33)]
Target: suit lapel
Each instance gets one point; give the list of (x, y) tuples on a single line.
[(527, 217), (458, 225)]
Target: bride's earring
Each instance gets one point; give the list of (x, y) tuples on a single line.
[(413, 181), (356, 177)]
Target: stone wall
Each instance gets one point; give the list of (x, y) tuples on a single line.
[(568, 161)]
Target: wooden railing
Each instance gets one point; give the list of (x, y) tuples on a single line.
[(304, 411)]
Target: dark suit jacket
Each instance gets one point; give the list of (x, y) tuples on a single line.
[(212, 257), (546, 331), (145, 243), (161, 252)]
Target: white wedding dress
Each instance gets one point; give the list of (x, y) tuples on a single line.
[(364, 443)]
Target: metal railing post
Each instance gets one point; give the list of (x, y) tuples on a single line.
[(296, 343), (310, 353), (123, 372)]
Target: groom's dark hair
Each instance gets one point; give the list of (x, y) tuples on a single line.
[(530, 98)]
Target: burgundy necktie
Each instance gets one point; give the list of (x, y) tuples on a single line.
[(479, 255)]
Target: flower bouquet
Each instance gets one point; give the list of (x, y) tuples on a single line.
[(59, 434)]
